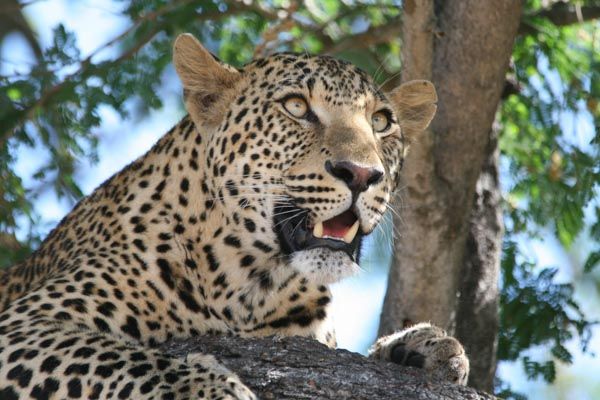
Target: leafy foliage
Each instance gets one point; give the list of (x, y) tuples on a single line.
[(553, 172), (537, 310)]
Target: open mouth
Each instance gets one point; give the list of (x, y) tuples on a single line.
[(340, 233)]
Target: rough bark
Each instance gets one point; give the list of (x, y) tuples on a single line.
[(463, 46), (301, 368), (477, 318)]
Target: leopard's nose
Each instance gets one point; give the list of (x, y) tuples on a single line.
[(356, 177)]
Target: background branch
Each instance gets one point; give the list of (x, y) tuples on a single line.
[(560, 14), (372, 36)]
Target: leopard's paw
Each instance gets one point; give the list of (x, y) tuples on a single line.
[(224, 388), (215, 381), (428, 347)]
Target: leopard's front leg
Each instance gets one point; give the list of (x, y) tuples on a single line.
[(45, 359), (428, 347)]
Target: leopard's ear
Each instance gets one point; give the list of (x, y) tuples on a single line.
[(205, 80), (415, 103)]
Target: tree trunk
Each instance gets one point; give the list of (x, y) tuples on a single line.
[(464, 47), (302, 368), (477, 317)]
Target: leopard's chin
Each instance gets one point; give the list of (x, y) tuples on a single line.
[(324, 265)]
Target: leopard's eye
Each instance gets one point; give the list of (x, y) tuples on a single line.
[(296, 106), (380, 121)]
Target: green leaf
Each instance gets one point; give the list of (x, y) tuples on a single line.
[(560, 352), (592, 261), (14, 94)]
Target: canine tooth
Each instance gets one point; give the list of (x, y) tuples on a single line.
[(318, 230), (349, 236)]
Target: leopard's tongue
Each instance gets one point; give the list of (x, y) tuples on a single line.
[(341, 227)]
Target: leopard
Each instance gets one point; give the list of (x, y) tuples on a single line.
[(236, 222)]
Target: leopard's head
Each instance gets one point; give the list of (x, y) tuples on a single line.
[(304, 149)]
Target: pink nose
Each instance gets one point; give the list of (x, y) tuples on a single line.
[(357, 178)]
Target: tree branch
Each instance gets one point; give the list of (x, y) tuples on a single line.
[(12, 19), (86, 64), (301, 368), (374, 35), (560, 14)]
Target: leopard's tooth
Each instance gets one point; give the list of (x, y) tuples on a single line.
[(349, 236), (318, 230)]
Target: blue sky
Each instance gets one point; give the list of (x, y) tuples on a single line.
[(357, 301)]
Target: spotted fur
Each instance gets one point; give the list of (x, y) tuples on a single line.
[(183, 242)]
